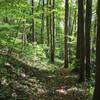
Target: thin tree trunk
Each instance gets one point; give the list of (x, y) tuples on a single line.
[(52, 31), (47, 26), (51, 60), (33, 24), (65, 35), (42, 23)]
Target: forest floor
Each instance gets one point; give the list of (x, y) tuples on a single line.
[(19, 81)]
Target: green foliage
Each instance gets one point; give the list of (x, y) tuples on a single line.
[(16, 24)]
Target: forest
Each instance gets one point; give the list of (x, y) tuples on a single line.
[(49, 49)]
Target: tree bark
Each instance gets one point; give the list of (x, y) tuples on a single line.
[(52, 31), (81, 43), (33, 24), (42, 23), (47, 26), (87, 33), (65, 34), (97, 84)]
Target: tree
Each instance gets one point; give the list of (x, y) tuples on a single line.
[(87, 33), (97, 84), (47, 25), (81, 43), (42, 23), (52, 31), (33, 24), (66, 34)]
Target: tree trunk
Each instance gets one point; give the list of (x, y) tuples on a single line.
[(52, 31), (97, 84), (33, 24), (87, 33), (81, 43), (47, 26), (65, 35), (42, 23)]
